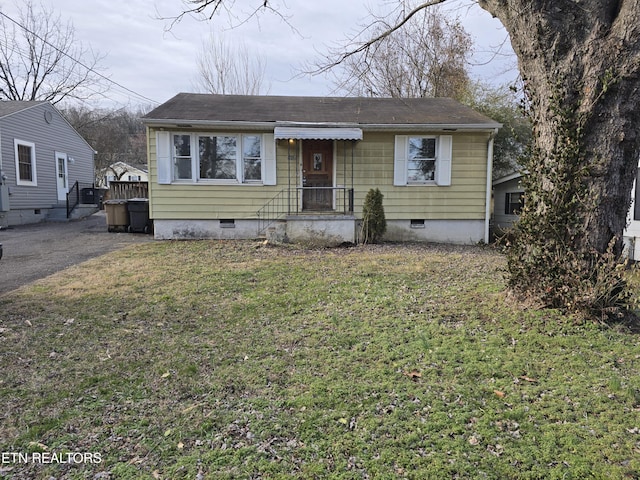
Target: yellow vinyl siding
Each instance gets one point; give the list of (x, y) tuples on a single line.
[(209, 200), (373, 166), (463, 200)]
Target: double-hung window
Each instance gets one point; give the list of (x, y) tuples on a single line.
[(514, 201), (182, 168), (422, 160), (251, 158), (25, 155)]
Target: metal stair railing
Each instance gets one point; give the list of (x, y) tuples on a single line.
[(73, 195), (73, 198), (274, 209), (287, 202)]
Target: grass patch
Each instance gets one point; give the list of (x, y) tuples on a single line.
[(237, 360)]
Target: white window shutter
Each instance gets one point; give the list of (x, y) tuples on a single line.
[(269, 159), (400, 161), (443, 161), (163, 157)]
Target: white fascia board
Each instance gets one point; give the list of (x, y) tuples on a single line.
[(436, 127), (507, 178), (170, 124)]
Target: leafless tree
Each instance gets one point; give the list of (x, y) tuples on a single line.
[(116, 135), (227, 68), (512, 141), (428, 57), (40, 58)]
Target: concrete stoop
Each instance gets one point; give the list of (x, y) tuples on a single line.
[(59, 213)]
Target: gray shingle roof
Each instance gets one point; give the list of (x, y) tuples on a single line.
[(8, 107), (202, 108)]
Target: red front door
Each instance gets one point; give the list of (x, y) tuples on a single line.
[(317, 174)]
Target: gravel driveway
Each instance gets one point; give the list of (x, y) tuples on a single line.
[(35, 251)]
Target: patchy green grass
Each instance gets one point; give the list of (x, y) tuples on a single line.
[(216, 360)]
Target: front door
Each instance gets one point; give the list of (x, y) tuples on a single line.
[(61, 174), (317, 174)]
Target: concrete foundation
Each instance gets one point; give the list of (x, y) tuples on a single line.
[(459, 232), (322, 230), (205, 229)]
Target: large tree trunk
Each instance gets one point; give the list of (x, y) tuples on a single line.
[(582, 58), (580, 61)]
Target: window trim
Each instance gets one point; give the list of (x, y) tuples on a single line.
[(34, 176), (242, 169), (434, 159), (194, 138), (443, 161), (195, 160), (509, 204)]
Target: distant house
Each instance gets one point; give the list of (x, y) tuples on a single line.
[(508, 199), (41, 158), (123, 172), (300, 167)]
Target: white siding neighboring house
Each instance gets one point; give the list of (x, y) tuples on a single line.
[(507, 195), (123, 172), (508, 198), (41, 158)]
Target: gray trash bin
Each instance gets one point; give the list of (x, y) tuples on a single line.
[(139, 221)]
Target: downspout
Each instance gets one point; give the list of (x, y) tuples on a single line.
[(1, 171), (487, 213), (288, 173)]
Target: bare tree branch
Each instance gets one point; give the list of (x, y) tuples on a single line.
[(226, 68), (41, 59), (372, 42), (208, 9)]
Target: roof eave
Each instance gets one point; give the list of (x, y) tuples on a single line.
[(182, 123), (451, 127), (507, 178)]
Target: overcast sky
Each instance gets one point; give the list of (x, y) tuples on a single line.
[(145, 56)]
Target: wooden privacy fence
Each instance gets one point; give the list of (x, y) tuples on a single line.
[(128, 190)]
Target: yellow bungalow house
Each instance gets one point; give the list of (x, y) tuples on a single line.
[(299, 168)]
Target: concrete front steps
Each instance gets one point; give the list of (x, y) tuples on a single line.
[(59, 212)]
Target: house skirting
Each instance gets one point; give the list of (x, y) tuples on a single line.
[(318, 230), (230, 229), (321, 229), (325, 230), (461, 232), (24, 216)]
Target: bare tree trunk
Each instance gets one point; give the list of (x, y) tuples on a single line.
[(580, 62)]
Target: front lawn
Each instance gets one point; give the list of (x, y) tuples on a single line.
[(231, 360)]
